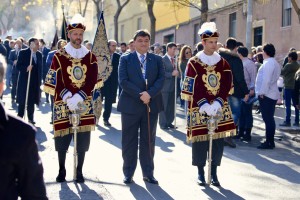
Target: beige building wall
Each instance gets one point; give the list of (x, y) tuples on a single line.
[(134, 16)]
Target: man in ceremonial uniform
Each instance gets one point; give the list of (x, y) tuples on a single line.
[(206, 86), (71, 79)]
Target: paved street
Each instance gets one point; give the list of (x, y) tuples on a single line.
[(245, 173)]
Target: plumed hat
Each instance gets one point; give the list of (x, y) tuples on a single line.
[(75, 26), (208, 30)]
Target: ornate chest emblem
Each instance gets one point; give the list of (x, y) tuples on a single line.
[(77, 73), (212, 81)]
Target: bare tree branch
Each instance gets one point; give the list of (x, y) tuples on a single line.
[(296, 7)]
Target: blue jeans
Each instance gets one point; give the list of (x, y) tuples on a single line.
[(235, 105), (288, 98), (246, 117), (267, 109)]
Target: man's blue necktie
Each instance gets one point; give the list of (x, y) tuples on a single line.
[(143, 65)]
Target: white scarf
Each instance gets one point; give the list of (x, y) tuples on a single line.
[(76, 53), (209, 60)]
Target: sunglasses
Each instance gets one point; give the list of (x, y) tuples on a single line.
[(188, 52)]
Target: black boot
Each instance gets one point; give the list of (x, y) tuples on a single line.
[(247, 136), (214, 177), (79, 178), (62, 170), (201, 179)]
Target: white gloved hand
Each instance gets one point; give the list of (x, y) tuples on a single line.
[(73, 101), (205, 108), (67, 95), (215, 107)]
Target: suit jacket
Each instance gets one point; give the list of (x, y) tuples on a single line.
[(12, 57), (132, 82), (169, 84), (19, 159), (45, 52), (109, 90), (35, 78)]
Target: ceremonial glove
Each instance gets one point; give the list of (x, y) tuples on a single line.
[(73, 101), (205, 108), (67, 95), (215, 107)]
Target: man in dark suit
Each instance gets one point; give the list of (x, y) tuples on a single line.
[(166, 117), (21, 168), (44, 50), (141, 76), (23, 65), (12, 60), (109, 90)]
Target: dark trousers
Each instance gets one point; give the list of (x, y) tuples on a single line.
[(14, 85), (83, 142), (166, 117), (135, 134), (267, 108), (246, 117), (107, 108), (30, 110), (288, 98), (200, 152)]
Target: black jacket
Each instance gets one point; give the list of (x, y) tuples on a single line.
[(21, 171), (35, 78), (237, 69), (109, 90)]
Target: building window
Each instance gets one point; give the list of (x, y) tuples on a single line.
[(196, 36), (286, 13), (139, 23), (122, 32), (232, 25), (168, 38), (258, 35), (212, 20)]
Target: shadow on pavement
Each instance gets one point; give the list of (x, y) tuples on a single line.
[(112, 135), (164, 146), (178, 135), (40, 137), (85, 192), (267, 161), (157, 192), (221, 194)]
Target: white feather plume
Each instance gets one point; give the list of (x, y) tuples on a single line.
[(208, 26)]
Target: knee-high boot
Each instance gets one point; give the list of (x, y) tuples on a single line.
[(214, 177), (62, 170), (201, 179), (81, 156)]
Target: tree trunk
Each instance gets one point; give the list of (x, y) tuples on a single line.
[(150, 4), (116, 17), (97, 4), (85, 6), (204, 11), (296, 7)]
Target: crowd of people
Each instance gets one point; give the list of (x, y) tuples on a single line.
[(213, 79)]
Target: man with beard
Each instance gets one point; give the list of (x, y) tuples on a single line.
[(71, 79)]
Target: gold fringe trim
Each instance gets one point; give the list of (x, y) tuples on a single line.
[(49, 90), (200, 138), (186, 97), (99, 84), (63, 132)]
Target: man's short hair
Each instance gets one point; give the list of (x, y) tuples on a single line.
[(31, 40), (231, 43), (243, 51), (110, 41), (123, 44), (142, 33), (171, 45), (2, 68), (269, 49), (130, 41), (293, 55), (42, 41), (199, 46), (238, 44)]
